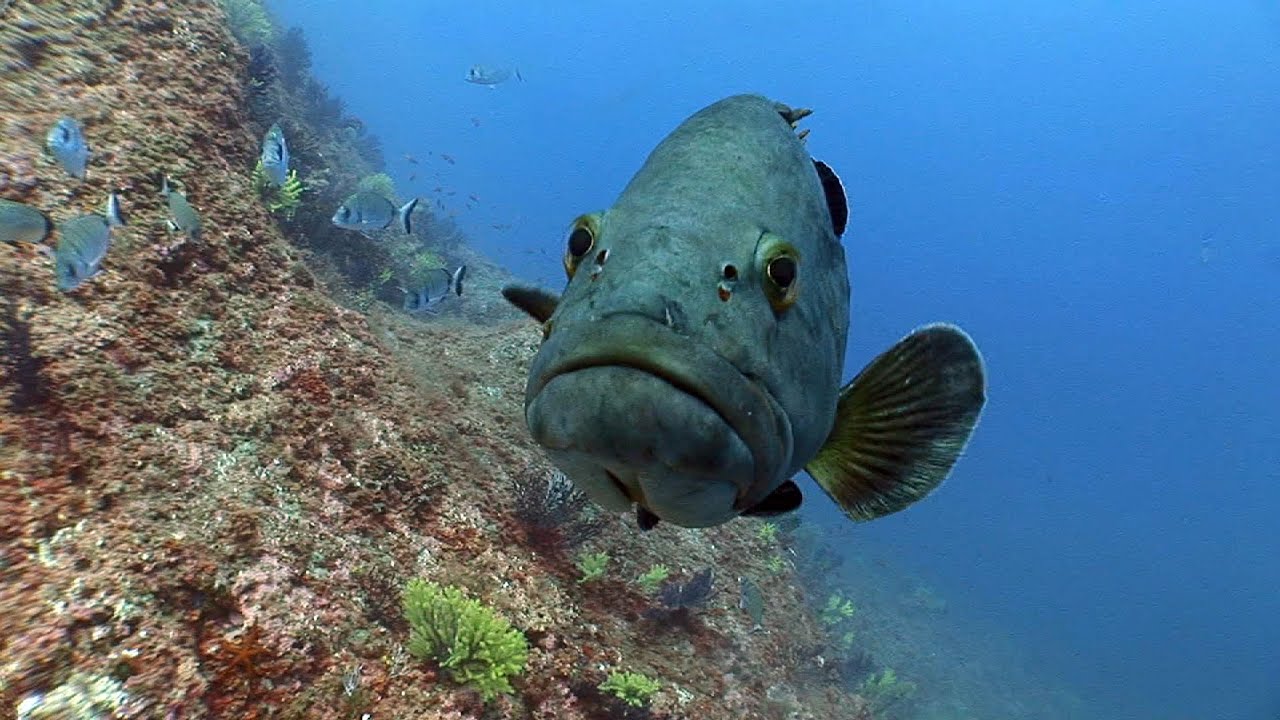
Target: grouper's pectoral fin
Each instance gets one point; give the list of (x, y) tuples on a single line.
[(785, 498), (539, 303), (902, 423)]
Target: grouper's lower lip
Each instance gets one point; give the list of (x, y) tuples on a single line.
[(644, 364), (643, 345), (653, 362)]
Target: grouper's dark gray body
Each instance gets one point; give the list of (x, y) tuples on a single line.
[(724, 399), (692, 365)]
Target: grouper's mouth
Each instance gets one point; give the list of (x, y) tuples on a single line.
[(643, 363), (688, 387), (656, 417)]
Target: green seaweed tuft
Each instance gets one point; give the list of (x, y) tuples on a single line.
[(652, 579), (471, 642), (633, 689), (380, 183), (837, 610), (592, 566), (285, 198), (421, 265), (885, 689), (248, 22), (413, 264), (775, 564), (288, 197), (768, 532)]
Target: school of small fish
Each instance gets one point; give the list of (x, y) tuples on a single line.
[(84, 240)]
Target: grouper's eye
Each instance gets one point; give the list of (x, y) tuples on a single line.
[(780, 265), (782, 271), (582, 238)]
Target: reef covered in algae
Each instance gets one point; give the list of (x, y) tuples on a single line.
[(225, 461)]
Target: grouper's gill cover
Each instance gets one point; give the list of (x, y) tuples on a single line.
[(692, 365)]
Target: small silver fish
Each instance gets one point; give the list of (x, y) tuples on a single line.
[(275, 156), (181, 215), (490, 75), (440, 283), (82, 244), (65, 141), (22, 223), (367, 210), (751, 601)]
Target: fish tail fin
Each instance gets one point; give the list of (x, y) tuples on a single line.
[(455, 279), (112, 211), (902, 423), (405, 213)]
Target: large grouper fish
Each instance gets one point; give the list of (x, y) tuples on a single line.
[(692, 365)]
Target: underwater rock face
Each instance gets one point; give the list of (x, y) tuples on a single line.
[(216, 481)]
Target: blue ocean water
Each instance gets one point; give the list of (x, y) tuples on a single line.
[(1090, 189)]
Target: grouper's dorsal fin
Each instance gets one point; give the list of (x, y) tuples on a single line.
[(793, 116), (538, 303), (902, 423), (837, 202)]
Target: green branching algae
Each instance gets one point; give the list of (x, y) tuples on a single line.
[(652, 579), (283, 199), (592, 566), (469, 641), (631, 688)]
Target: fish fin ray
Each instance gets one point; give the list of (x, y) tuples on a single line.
[(902, 423)]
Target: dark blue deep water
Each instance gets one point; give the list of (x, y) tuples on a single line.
[(1090, 188)]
